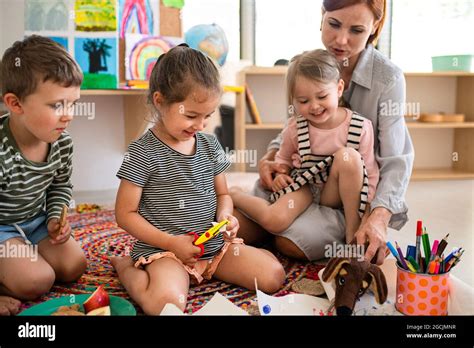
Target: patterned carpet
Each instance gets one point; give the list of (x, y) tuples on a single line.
[(100, 238)]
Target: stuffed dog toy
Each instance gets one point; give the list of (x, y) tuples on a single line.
[(353, 278)]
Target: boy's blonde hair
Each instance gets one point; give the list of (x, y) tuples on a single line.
[(318, 65), (36, 58)]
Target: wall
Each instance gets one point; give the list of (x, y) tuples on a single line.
[(99, 143)]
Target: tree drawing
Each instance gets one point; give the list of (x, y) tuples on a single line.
[(98, 50)]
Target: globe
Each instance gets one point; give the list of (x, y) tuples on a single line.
[(209, 39)]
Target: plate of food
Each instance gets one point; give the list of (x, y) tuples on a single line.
[(100, 303)]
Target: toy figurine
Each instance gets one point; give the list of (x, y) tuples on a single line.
[(353, 278)]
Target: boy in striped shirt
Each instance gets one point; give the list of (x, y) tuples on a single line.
[(40, 82)]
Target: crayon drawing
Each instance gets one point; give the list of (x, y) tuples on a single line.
[(61, 40), (95, 15), (141, 53), (138, 17), (97, 58), (52, 15)]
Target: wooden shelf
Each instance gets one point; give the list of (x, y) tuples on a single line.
[(440, 174), (438, 125), (123, 91), (281, 70), (113, 91), (264, 126), (260, 70), (458, 101), (410, 125), (439, 74)]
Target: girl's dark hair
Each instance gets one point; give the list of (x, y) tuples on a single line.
[(178, 71)]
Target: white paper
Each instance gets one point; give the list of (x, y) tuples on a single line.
[(222, 229), (171, 309), (217, 305), (293, 304)]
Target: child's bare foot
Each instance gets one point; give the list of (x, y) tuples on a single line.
[(9, 305), (121, 262)]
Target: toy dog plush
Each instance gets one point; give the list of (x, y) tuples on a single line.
[(353, 278)]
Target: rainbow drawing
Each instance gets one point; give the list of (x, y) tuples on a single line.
[(143, 55), (137, 16)]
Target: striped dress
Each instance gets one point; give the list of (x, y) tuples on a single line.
[(28, 188), (315, 168), (178, 193)]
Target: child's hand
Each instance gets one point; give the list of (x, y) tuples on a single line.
[(56, 236), (281, 181), (184, 249), (231, 228)]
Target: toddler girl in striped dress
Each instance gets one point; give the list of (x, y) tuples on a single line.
[(327, 152), (173, 183)]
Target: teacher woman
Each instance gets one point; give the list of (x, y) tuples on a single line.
[(375, 88)]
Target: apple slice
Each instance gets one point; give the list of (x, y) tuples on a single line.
[(100, 311), (100, 298)]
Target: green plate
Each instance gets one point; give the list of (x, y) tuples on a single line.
[(118, 305)]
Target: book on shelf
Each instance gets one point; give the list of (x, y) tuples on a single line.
[(252, 106)]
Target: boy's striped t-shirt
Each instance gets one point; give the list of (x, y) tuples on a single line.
[(178, 194), (27, 187)]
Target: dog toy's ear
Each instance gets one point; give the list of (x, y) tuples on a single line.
[(333, 267), (378, 284)]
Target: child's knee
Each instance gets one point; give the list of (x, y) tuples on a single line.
[(73, 269), (275, 223), (34, 284), (273, 278), (347, 158), (154, 304)]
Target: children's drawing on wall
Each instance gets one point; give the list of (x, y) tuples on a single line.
[(52, 15), (141, 53), (138, 17), (95, 15), (97, 58), (61, 40)]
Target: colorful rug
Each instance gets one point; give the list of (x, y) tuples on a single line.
[(100, 238)]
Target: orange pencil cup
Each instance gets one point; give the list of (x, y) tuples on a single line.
[(421, 294)]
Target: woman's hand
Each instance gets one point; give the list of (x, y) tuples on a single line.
[(281, 181), (184, 249), (373, 229), (58, 236), (231, 228), (266, 168)]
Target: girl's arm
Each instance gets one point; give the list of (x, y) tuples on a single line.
[(289, 144), (225, 206), (126, 211)]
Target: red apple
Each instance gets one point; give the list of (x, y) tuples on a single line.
[(100, 311), (100, 298)]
